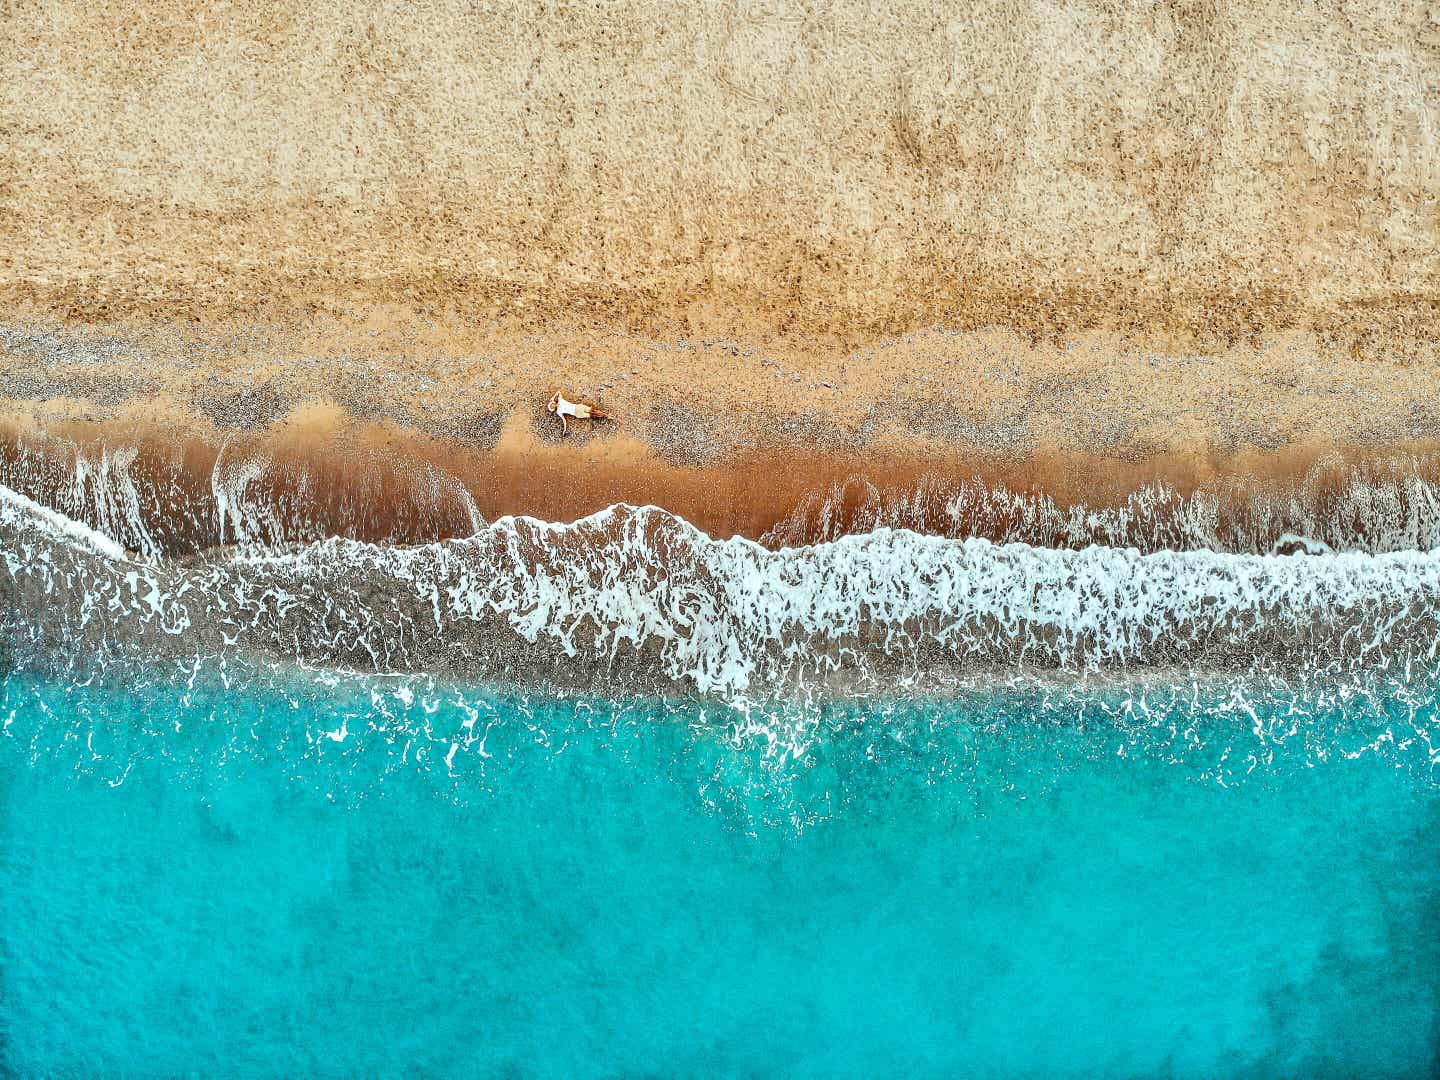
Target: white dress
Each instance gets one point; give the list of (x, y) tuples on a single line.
[(571, 409)]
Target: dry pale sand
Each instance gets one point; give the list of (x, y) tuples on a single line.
[(1093, 243)]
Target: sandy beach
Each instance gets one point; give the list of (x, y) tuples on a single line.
[(1073, 250)]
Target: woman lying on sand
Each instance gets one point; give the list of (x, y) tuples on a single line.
[(578, 410)]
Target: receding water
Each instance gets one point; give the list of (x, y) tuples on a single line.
[(306, 874)]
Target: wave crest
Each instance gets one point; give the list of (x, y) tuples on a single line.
[(638, 599)]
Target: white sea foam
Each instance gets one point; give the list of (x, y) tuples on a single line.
[(102, 481), (18, 511), (249, 520), (159, 503), (636, 598), (162, 503), (1386, 506)]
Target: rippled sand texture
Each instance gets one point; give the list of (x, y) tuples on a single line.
[(1208, 169)]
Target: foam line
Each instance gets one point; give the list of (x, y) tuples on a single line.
[(634, 597), (16, 509)]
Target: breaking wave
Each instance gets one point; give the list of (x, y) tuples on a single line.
[(638, 600)]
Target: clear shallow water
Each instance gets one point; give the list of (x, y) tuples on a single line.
[(288, 877)]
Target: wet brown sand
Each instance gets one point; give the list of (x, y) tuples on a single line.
[(378, 482)]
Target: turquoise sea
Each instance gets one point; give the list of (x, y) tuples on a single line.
[(617, 799), (202, 882)]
